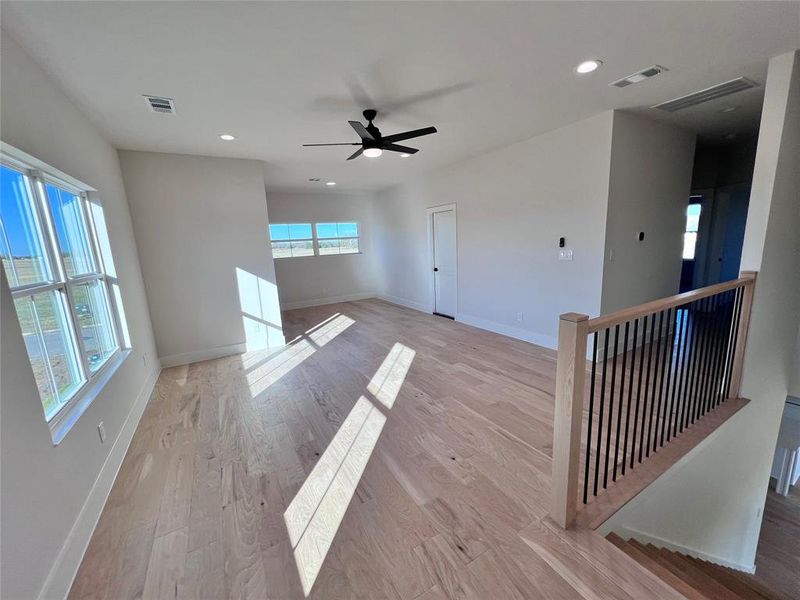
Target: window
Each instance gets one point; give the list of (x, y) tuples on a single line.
[(690, 235), (291, 239), (56, 256), (337, 238), (298, 239)]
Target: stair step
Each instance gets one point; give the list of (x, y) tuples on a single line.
[(654, 567), (743, 581), (695, 578)]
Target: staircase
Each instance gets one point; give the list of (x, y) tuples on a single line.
[(694, 578)]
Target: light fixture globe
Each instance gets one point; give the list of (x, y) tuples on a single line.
[(373, 152), (588, 66)]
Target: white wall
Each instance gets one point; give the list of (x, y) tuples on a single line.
[(202, 228), (311, 280), (513, 205), (45, 487), (711, 502), (651, 173)]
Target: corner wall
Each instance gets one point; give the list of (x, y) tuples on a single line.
[(202, 228), (711, 502), (650, 181), (513, 204), (53, 495), (313, 280)]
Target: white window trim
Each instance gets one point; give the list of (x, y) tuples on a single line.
[(316, 240), (40, 175)]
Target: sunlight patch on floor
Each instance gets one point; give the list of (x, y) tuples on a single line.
[(389, 378)]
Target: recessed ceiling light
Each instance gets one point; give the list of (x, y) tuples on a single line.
[(588, 66), (330, 183), (373, 152), (405, 155), (227, 137)]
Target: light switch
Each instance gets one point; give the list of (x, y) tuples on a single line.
[(565, 254)]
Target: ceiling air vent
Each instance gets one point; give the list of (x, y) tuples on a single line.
[(717, 91), (160, 104), (639, 76)]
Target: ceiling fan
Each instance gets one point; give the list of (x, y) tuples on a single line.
[(373, 143)]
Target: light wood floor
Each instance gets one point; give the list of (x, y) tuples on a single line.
[(778, 552), (383, 454)]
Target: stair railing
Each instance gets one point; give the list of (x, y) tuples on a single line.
[(653, 370)]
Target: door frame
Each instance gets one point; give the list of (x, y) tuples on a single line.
[(429, 212)]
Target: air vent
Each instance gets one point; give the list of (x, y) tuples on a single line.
[(639, 76), (717, 91), (160, 104)]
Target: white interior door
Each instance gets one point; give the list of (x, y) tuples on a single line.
[(444, 262)]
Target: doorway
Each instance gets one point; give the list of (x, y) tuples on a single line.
[(442, 223)]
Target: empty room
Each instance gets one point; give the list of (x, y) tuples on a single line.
[(399, 300)]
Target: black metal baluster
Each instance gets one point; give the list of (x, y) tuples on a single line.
[(737, 315), (653, 410), (700, 362), (679, 323), (689, 340), (630, 395), (711, 391), (730, 299), (694, 359), (600, 417), (662, 342), (647, 385), (665, 417), (701, 385), (589, 424), (611, 405), (621, 399), (638, 392)]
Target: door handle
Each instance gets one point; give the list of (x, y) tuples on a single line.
[(435, 269)]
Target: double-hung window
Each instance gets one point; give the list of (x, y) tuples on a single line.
[(337, 238), (291, 239), (301, 239), (57, 259)]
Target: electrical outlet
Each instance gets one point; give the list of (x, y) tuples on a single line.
[(565, 255), (101, 429), (520, 317)]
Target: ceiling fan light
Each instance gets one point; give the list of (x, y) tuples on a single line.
[(405, 155), (373, 152)]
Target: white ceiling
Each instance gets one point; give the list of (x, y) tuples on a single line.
[(278, 75)]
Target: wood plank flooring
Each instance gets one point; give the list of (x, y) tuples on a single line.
[(778, 552), (384, 453)]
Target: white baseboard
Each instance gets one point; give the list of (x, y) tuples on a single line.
[(186, 358), (328, 300), (646, 538), (69, 558), (525, 335), (403, 302)]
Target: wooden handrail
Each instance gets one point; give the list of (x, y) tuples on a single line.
[(634, 312), (573, 332)]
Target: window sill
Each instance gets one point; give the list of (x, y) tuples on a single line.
[(317, 255), (69, 415)]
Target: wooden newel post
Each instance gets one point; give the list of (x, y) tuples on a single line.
[(570, 375), (741, 335)]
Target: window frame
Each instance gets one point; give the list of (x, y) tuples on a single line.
[(337, 238), (38, 177), (693, 201), (315, 240)]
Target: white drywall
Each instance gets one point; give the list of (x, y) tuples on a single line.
[(311, 280), (651, 173), (45, 487), (202, 229), (711, 502), (513, 205)]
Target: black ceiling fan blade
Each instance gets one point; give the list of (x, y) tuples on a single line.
[(361, 131), (356, 154), (342, 144), (409, 134), (399, 148)]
